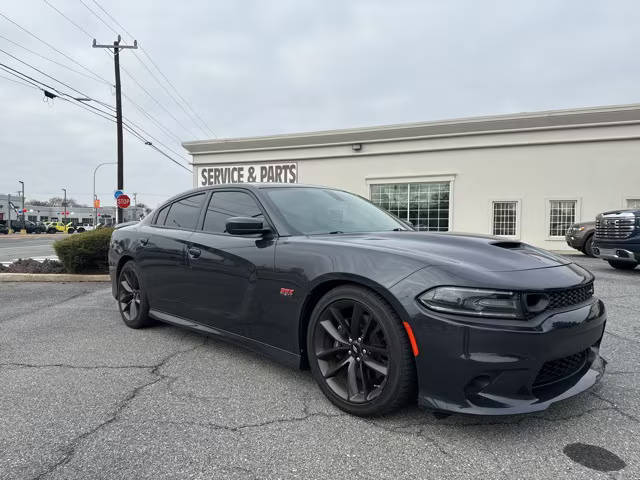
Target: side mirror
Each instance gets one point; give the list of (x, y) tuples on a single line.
[(244, 226)]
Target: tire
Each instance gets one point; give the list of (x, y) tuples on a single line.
[(80, 230), (131, 296), (70, 230), (617, 264), (588, 246), (52, 230), (337, 356)]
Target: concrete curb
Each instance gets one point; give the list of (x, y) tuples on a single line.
[(52, 277)]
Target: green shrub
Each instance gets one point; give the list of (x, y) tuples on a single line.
[(85, 252)]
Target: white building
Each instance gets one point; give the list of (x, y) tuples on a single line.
[(525, 176)]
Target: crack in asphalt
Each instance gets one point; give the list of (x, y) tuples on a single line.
[(615, 407), (154, 370), (620, 337)]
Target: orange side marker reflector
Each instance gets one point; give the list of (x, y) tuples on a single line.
[(412, 339)]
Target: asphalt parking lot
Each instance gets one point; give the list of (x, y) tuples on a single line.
[(82, 396)]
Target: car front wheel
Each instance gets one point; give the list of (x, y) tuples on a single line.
[(622, 265), (359, 352), (132, 300), (588, 247)]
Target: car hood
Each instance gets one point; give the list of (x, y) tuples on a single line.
[(484, 252)]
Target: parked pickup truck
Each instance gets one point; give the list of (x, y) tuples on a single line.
[(617, 238)]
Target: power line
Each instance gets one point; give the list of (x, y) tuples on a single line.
[(144, 112), (90, 108), (53, 48), (18, 82), (54, 61), (68, 19), (99, 17), (193, 115)]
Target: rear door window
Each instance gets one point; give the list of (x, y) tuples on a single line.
[(224, 205), (162, 215), (185, 213)]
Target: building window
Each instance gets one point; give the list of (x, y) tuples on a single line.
[(505, 218), (425, 205), (633, 202), (562, 214)]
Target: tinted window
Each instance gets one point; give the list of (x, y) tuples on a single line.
[(318, 210), (185, 213), (224, 205), (162, 215)]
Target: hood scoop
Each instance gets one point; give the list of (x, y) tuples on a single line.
[(507, 244)]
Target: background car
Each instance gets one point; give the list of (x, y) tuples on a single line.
[(4, 229), (54, 227), (581, 236), (84, 227)]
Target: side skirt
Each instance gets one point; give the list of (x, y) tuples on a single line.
[(281, 356)]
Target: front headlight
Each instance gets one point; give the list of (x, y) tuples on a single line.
[(474, 301)]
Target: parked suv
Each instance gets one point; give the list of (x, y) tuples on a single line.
[(53, 227), (28, 225), (581, 236), (617, 238)]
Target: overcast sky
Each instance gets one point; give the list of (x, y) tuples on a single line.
[(281, 66)]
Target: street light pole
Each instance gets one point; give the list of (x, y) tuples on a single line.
[(95, 210), (21, 182), (64, 205)]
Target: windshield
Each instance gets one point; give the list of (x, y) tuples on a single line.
[(318, 210)]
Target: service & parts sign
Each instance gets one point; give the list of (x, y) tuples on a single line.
[(248, 173)]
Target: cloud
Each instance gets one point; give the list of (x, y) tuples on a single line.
[(264, 67)]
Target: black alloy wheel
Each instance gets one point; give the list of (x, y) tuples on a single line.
[(359, 352), (132, 301), (588, 246)]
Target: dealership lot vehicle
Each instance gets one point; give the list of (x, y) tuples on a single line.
[(84, 398), (581, 237), (54, 227), (320, 277), (617, 238)]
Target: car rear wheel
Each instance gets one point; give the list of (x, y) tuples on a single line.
[(52, 230), (588, 247), (132, 301), (622, 265), (359, 352)]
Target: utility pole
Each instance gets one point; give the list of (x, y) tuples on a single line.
[(22, 211), (9, 211), (116, 61), (64, 205)]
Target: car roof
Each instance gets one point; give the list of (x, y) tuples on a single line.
[(247, 186)]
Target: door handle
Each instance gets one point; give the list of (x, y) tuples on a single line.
[(143, 242), (194, 252)]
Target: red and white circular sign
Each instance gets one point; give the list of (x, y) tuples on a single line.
[(123, 201)]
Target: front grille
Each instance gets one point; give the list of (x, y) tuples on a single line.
[(557, 370), (615, 227), (570, 296)]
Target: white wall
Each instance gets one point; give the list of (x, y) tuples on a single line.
[(599, 166)]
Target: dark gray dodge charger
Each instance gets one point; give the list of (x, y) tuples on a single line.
[(380, 313)]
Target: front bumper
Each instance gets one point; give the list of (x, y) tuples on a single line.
[(491, 370), (620, 251), (575, 240)]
